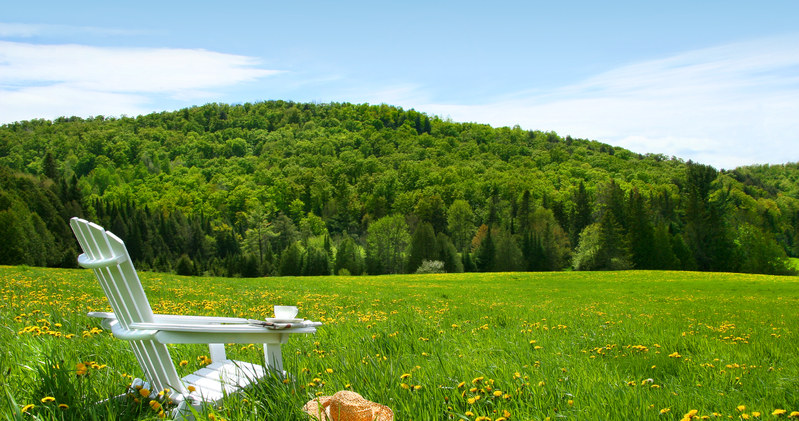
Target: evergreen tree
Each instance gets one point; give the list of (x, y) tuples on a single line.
[(250, 267), (641, 235), (705, 231), (448, 254), (614, 251), (316, 262), (468, 263), (581, 213), (524, 213), (423, 246), (533, 252), (663, 256), (291, 260), (484, 257), (507, 257), (546, 246), (348, 257)]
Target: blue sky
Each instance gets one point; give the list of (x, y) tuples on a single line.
[(712, 81)]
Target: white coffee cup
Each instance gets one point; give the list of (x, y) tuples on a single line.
[(285, 312)]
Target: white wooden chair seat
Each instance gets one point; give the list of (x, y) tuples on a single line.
[(148, 333), (216, 380)]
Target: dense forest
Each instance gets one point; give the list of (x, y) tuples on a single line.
[(283, 188)]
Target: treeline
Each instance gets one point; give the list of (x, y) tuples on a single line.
[(281, 188)]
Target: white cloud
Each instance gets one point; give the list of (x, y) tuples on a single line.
[(725, 106), (30, 30), (21, 30), (46, 81)]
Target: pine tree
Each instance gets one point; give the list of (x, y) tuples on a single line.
[(348, 257), (484, 257), (640, 233), (508, 257), (315, 262), (448, 254), (423, 246), (581, 214), (291, 260)]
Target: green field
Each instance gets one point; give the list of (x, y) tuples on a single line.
[(521, 346)]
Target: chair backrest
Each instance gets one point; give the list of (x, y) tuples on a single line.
[(106, 254)]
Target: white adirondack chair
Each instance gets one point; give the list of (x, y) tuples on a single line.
[(133, 320)]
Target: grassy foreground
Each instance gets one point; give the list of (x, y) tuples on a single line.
[(516, 346)]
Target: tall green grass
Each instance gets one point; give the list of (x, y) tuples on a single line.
[(521, 346)]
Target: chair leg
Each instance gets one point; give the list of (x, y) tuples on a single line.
[(217, 352), (274, 357)]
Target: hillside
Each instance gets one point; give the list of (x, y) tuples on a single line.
[(289, 188)]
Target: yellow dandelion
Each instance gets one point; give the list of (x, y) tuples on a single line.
[(183, 363), (741, 408), (469, 413), (144, 392), (329, 371), (405, 386), (405, 376), (417, 387), (155, 405), (497, 393), (63, 406), (794, 414), (665, 410), (756, 414), (778, 412), (192, 388), (48, 399), (27, 407)]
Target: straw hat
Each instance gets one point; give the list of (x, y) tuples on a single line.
[(347, 406)]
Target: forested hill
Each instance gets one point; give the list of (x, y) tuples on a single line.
[(304, 189)]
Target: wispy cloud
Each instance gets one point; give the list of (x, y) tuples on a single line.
[(46, 81), (31, 30), (726, 106)]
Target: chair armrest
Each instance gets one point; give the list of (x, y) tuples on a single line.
[(200, 330), (217, 328), (179, 319)]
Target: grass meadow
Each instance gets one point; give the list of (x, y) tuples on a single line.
[(633, 345)]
